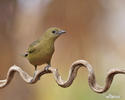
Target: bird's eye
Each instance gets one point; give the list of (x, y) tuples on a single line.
[(53, 31)]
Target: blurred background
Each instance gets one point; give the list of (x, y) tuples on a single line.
[(95, 32)]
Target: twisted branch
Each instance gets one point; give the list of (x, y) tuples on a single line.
[(72, 74)]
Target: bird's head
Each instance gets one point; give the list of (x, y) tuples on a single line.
[(54, 32)]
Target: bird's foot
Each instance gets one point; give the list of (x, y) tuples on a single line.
[(47, 68)]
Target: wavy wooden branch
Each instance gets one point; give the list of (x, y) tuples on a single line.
[(72, 74)]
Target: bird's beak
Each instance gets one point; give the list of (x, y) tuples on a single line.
[(61, 32)]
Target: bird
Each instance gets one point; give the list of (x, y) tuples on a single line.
[(40, 51)]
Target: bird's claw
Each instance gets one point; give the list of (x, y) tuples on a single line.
[(47, 68)]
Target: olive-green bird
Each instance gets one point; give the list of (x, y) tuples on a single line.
[(41, 51)]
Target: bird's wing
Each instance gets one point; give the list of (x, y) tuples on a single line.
[(34, 43), (33, 46)]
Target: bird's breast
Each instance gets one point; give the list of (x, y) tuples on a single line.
[(42, 55)]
